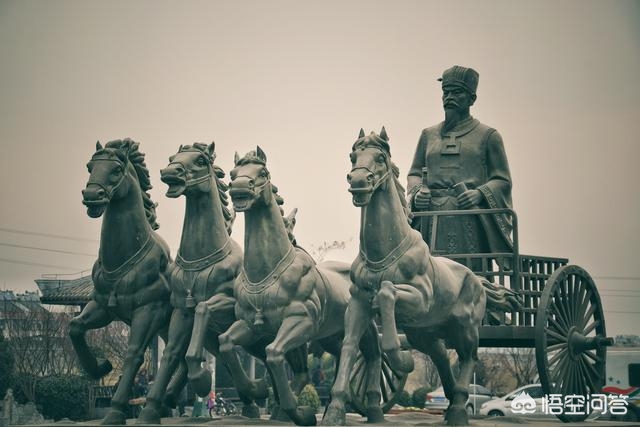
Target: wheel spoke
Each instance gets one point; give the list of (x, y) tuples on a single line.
[(556, 347), (557, 357), (593, 356), (565, 301), (577, 281), (584, 295), (586, 317), (587, 376), (560, 310), (557, 326), (557, 336), (591, 327), (558, 370)]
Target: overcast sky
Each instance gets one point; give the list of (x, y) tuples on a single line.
[(559, 80)]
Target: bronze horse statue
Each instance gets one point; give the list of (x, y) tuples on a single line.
[(129, 275), (433, 299), (284, 300), (201, 279)]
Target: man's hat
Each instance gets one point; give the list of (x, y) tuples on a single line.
[(461, 76)]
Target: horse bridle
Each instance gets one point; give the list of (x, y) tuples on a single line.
[(378, 182), (196, 181), (108, 192)]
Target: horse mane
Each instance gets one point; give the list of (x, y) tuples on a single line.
[(376, 141), (223, 187), (127, 149)]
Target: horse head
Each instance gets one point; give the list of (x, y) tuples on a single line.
[(108, 169), (250, 181), (190, 168), (370, 166)]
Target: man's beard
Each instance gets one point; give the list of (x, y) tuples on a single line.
[(452, 117)]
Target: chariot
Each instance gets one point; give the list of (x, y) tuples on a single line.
[(561, 316)]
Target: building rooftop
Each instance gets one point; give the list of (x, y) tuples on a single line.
[(66, 290)]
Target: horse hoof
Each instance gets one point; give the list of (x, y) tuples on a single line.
[(114, 418), (148, 415), (200, 382), (278, 414), (251, 410), (260, 389), (334, 416), (457, 416), (375, 415), (304, 416)]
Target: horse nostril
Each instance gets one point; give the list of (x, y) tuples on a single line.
[(348, 177), (251, 183), (369, 177)]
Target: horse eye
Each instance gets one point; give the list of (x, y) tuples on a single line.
[(201, 161), (380, 159), (352, 157), (89, 166)]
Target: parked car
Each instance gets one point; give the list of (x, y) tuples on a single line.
[(502, 406), (437, 402)]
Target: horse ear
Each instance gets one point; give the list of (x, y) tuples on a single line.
[(98, 146), (180, 148), (291, 218), (211, 148), (383, 134), (361, 134), (236, 158), (261, 154)]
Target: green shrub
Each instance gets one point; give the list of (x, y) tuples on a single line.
[(309, 397), (419, 396), (404, 399), (64, 397)]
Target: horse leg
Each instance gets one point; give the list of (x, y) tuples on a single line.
[(92, 317), (146, 321), (409, 300), (370, 349), (240, 334), (356, 320), (468, 317), (176, 385), (199, 377), (296, 330), (178, 340)]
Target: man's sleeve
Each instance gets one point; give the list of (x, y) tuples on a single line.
[(414, 177), (497, 189)]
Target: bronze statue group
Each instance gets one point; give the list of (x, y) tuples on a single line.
[(271, 297)]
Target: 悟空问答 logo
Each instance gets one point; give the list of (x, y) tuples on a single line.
[(523, 404)]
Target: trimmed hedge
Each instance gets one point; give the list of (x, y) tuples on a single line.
[(64, 397)]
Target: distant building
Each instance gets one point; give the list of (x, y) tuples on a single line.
[(16, 308)]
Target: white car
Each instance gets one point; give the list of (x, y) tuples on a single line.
[(524, 401), (437, 402)]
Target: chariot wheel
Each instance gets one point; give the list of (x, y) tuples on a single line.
[(391, 385), (570, 340)]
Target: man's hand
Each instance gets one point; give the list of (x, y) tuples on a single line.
[(422, 201), (469, 199)]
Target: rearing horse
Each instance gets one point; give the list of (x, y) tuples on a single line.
[(129, 274), (283, 298), (434, 300)]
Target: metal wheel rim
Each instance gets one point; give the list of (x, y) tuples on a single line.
[(391, 385), (570, 315)]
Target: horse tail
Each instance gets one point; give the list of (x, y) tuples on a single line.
[(499, 299)]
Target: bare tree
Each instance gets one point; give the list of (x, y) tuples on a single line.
[(39, 343), (521, 364)]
